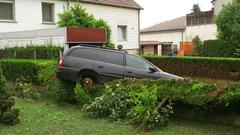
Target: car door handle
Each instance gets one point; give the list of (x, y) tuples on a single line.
[(100, 67), (130, 72)]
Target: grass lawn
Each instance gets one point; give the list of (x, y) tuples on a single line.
[(40, 118)]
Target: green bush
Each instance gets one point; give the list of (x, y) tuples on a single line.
[(81, 95), (217, 48), (134, 101), (24, 89), (61, 90), (42, 52), (210, 67), (15, 68), (197, 45), (8, 115)]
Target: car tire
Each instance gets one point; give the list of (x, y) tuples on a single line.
[(88, 78)]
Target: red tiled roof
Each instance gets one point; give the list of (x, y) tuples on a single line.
[(143, 43), (175, 24), (117, 3)]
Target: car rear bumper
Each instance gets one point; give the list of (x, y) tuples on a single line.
[(68, 74)]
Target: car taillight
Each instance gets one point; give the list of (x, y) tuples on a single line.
[(60, 64)]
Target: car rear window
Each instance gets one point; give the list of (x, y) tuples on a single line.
[(84, 53), (110, 57)]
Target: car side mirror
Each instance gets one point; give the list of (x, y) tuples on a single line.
[(152, 69)]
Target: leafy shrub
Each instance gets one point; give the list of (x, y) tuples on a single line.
[(24, 89), (42, 52), (217, 48), (8, 115), (61, 90), (210, 67), (125, 99), (230, 96), (81, 95), (197, 45)]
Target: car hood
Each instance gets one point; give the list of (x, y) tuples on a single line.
[(169, 76)]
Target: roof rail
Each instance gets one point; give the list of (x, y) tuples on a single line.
[(101, 47)]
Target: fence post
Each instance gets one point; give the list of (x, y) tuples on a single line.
[(15, 54), (35, 54)]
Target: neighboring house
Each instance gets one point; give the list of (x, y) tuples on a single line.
[(182, 30), (24, 15), (200, 24), (169, 34)]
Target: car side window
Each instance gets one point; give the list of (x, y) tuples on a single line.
[(110, 57), (84, 53), (136, 62)]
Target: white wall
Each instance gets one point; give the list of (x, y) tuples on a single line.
[(166, 36), (118, 16), (205, 32), (218, 5), (28, 14)]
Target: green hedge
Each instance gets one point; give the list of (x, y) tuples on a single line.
[(16, 68), (42, 52), (216, 48), (210, 67)]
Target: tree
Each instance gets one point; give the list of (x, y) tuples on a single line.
[(7, 114), (228, 24), (77, 16), (196, 8), (197, 45)]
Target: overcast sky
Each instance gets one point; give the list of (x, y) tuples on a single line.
[(156, 11)]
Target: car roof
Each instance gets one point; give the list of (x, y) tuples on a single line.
[(96, 48)]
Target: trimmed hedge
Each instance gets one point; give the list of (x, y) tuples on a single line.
[(42, 52), (216, 48), (16, 68), (210, 67)]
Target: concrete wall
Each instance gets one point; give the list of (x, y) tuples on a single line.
[(218, 5), (28, 15), (53, 36), (205, 32), (118, 16)]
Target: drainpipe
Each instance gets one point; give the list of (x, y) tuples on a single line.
[(139, 29)]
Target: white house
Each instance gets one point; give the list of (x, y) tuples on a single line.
[(169, 34), (182, 29), (25, 15)]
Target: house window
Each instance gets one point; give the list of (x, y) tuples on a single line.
[(6, 9), (122, 33), (47, 12)]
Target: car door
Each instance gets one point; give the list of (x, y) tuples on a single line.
[(109, 65), (137, 67)]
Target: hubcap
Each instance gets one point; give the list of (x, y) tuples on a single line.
[(87, 82)]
